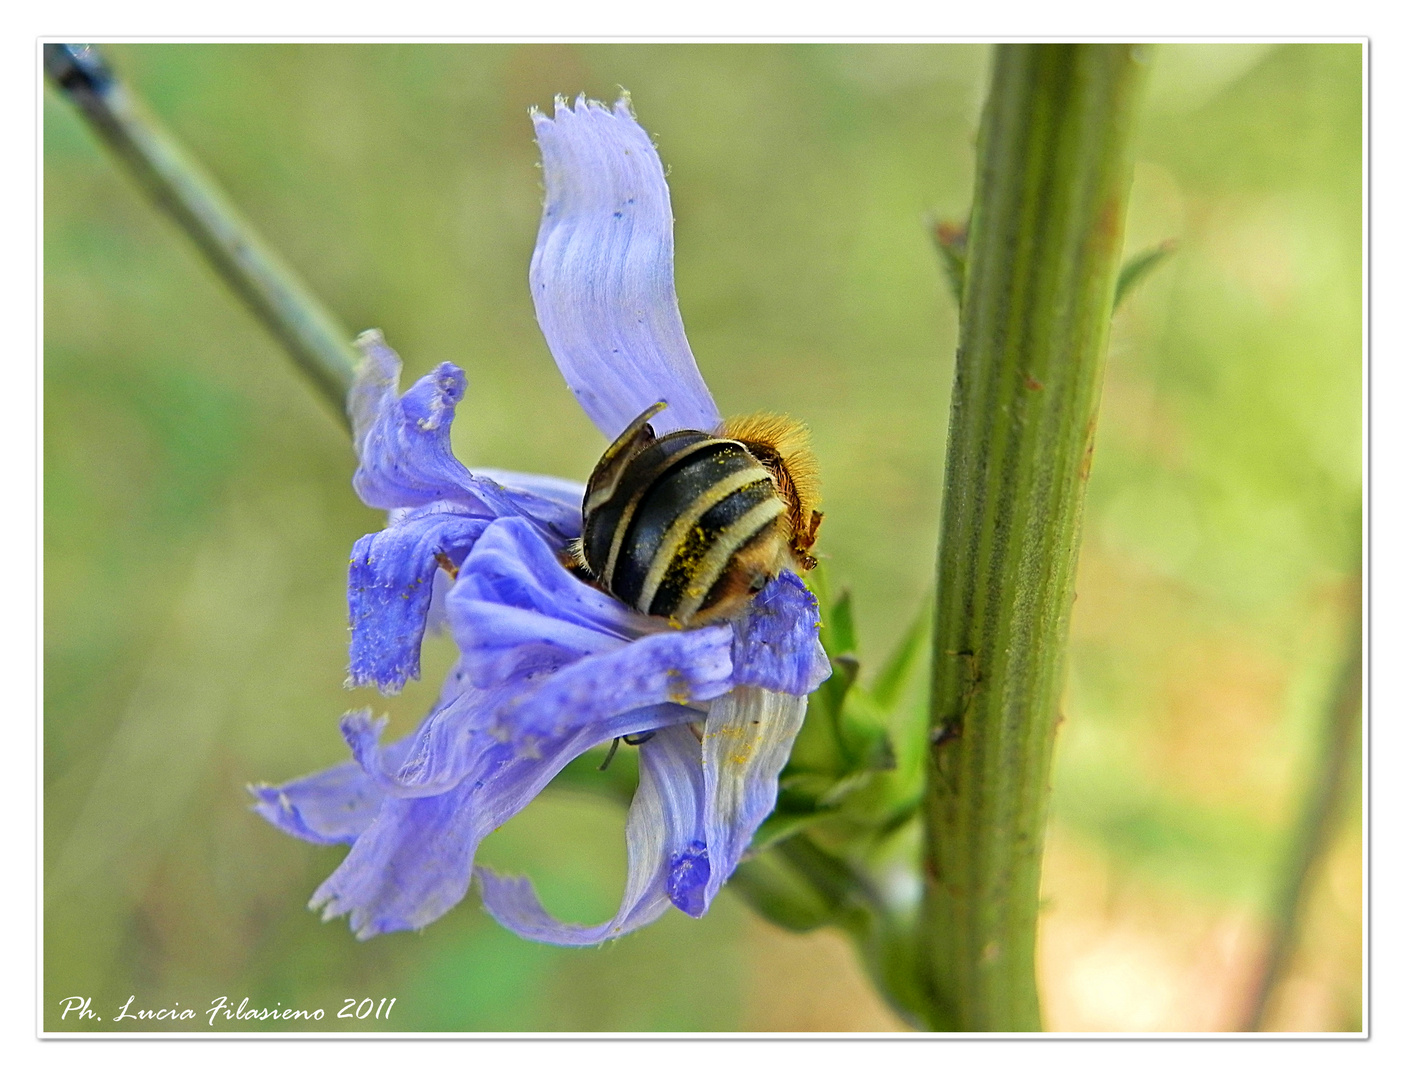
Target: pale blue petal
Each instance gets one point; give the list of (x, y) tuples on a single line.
[(405, 458), (334, 806), (392, 576), (665, 861), (560, 501), (777, 646), (390, 579), (512, 565), (602, 275), (413, 863), (516, 611), (409, 868), (436, 620), (748, 736), (685, 667), (403, 441)]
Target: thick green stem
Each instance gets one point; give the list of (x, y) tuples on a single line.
[(1043, 249), (315, 340)]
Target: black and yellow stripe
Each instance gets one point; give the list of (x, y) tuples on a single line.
[(678, 526)]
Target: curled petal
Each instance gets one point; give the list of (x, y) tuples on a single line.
[(516, 611), (334, 806), (602, 275), (446, 748), (413, 862), (748, 736), (777, 646), (550, 500), (665, 853), (390, 581), (689, 666), (502, 643), (557, 488), (403, 441), (513, 566), (404, 455), (410, 867), (452, 742)]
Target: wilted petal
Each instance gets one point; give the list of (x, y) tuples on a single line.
[(405, 459), (412, 864), (683, 667), (410, 867), (777, 645), (602, 275), (551, 500), (334, 806), (665, 862), (748, 736), (515, 567), (390, 578), (515, 610), (403, 441)]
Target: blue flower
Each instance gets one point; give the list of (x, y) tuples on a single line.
[(549, 666)]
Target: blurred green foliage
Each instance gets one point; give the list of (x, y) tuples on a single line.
[(198, 513)]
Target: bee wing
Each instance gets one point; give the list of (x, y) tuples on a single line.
[(603, 481)]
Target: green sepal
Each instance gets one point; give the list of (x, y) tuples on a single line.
[(855, 773), (774, 888), (841, 745), (801, 887)]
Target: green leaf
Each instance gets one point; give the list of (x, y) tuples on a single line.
[(780, 825), (768, 886), (907, 659), (951, 240), (1138, 266)]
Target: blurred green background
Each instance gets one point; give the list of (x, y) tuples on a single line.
[(198, 513)]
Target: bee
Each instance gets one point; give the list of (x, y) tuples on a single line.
[(690, 525)]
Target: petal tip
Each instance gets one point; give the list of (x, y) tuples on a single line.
[(687, 880)]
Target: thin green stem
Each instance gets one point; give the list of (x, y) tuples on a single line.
[(1042, 254), (1316, 827), (316, 341)]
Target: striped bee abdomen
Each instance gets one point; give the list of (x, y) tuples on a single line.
[(686, 527)]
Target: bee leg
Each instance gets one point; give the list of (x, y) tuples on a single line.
[(611, 753), (639, 738), (803, 542), (443, 561), (571, 559)]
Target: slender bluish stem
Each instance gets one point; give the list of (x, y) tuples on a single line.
[(1041, 260), (1316, 827), (317, 342)]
